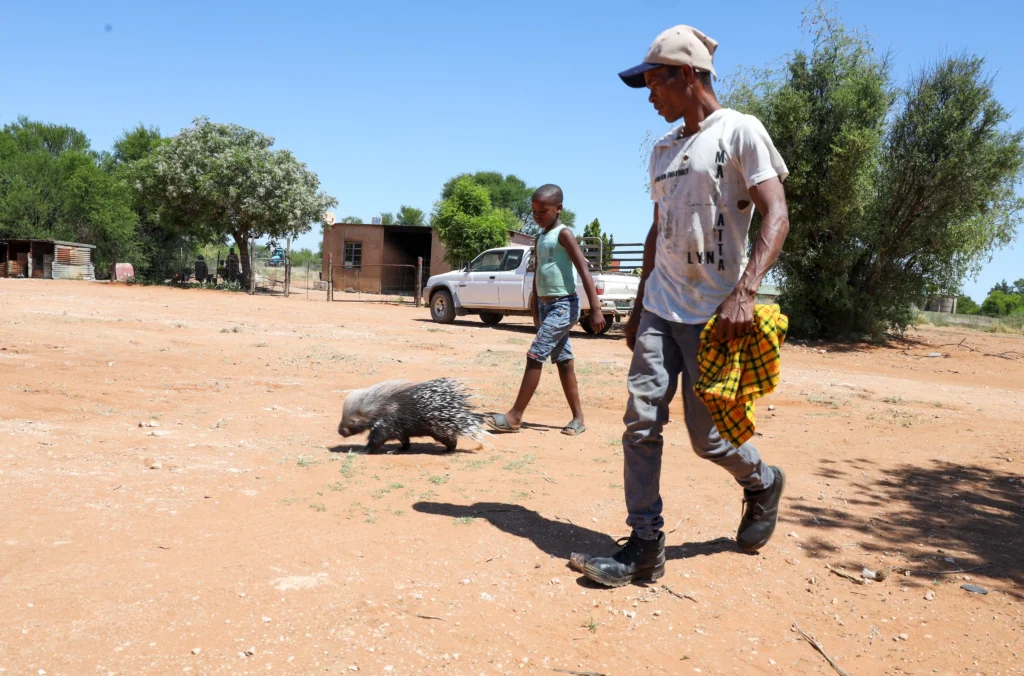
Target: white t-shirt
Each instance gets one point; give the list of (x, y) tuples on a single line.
[(701, 184)]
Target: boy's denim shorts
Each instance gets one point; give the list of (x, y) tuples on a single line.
[(556, 318)]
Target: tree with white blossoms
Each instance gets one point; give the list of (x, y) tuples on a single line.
[(215, 180)]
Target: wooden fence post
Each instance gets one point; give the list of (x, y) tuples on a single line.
[(252, 266), (287, 266), (419, 280)]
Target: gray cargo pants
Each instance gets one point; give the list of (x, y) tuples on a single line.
[(665, 350)]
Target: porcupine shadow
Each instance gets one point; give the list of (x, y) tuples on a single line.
[(415, 448)]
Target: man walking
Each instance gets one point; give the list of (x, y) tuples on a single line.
[(707, 176)]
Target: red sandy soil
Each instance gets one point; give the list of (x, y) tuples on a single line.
[(241, 535)]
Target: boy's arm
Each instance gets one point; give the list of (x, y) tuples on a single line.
[(572, 247), (536, 301)]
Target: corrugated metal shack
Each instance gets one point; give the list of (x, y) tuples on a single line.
[(46, 259)]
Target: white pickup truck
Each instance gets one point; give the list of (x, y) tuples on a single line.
[(499, 282)]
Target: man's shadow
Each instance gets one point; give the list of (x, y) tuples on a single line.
[(558, 538)]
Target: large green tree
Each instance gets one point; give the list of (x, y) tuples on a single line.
[(1000, 304), (504, 191), (52, 186), (407, 215), (965, 305), (159, 251), (508, 193), (568, 219), (892, 192), (1003, 286), (215, 180), (467, 224)]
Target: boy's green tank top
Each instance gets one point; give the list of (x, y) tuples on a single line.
[(554, 267)]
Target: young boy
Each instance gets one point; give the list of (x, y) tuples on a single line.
[(557, 307)]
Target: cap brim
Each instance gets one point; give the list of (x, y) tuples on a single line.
[(634, 77)]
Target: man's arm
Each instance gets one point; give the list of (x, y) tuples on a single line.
[(647, 267), (736, 314), (572, 247)]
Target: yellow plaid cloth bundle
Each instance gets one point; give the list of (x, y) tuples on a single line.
[(735, 373)]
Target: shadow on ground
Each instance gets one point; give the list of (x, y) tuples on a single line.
[(526, 329), (525, 426), (425, 448), (903, 343), (560, 538), (974, 514)]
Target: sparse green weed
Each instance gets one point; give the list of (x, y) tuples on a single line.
[(824, 400), (523, 462), (348, 468)]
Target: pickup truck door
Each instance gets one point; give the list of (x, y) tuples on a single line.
[(478, 286), (511, 280)]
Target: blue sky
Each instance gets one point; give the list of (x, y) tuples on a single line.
[(386, 100)]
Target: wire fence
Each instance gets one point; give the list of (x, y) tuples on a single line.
[(380, 283), (281, 277), (277, 276), (178, 271), (271, 276), (308, 279)]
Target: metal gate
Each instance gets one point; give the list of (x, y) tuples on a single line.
[(627, 257), (381, 283), (271, 276)]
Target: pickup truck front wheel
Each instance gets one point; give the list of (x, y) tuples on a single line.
[(490, 318), (585, 324), (442, 309)]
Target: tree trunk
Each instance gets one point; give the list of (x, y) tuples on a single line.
[(242, 242), (287, 267)]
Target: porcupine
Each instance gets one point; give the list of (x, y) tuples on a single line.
[(401, 410)]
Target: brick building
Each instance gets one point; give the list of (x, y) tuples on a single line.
[(374, 258)]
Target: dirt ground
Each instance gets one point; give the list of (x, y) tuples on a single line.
[(241, 535)]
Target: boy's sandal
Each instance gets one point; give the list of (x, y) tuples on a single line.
[(574, 429), (499, 423)]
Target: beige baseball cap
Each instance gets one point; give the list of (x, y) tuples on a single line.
[(678, 46)]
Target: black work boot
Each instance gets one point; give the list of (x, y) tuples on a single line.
[(637, 560), (760, 514)]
